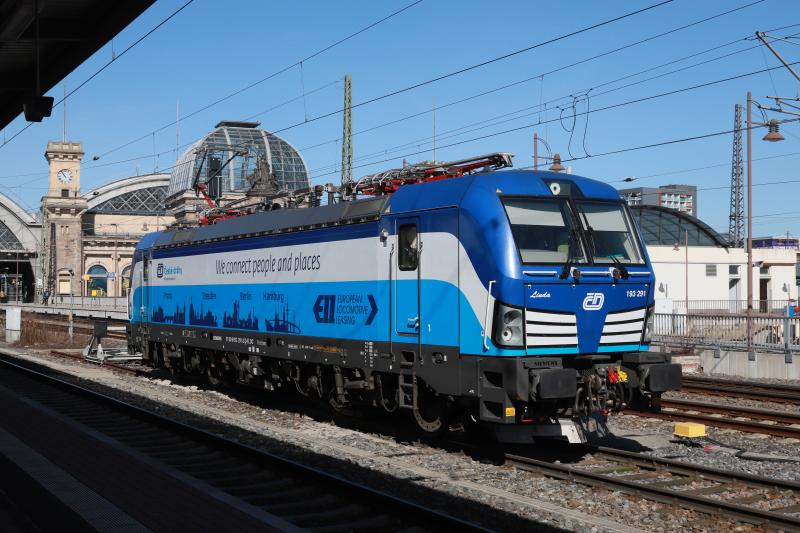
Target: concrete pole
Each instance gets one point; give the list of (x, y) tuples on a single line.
[(535, 151), (750, 354)]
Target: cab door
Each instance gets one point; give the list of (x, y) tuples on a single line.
[(144, 310), (407, 276)]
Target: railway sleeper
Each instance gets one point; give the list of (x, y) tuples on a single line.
[(164, 443), (324, 502), (256, 476), (236, 468), (258, 488), (250, 485), (210, 464), (347, 513), (120, 427), (292, 493), (170, 453), (179, 457), (371, 523), (714, 489)]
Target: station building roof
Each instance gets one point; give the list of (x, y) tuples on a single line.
[(135, 195), (70, 31), (662, 226)]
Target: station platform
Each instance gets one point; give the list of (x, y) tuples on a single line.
[(84, 310), (76, 479)]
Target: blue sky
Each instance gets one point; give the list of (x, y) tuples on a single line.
[(212, 49)]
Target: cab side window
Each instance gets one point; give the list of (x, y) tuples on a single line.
[(408, 257)]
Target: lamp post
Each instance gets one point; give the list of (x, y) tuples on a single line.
[(773, 135), (555, 158), (71, 302), (115, 261)]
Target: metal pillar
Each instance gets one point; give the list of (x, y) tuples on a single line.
[(686, 266), (347, 132), (736, 223), (750, 353)]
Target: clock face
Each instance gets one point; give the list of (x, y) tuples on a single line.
[(65, 175)]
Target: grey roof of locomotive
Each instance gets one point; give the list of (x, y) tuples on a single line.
[(281, 220)]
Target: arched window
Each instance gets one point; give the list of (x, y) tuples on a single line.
[(98, 281), (126, 280)]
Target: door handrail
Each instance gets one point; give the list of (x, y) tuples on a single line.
[(486, 315)]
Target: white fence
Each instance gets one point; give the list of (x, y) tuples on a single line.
[(89, 302), (728, 331), (720, 307)]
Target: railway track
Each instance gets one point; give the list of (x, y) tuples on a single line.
[(742, 389), (746, 419), (79, 326), (293, 494), (742, 497), (129, 368)]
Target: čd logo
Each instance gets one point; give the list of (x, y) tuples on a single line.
[(593, 301)]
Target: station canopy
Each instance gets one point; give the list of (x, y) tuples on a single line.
[(662, 226), (251, 160), (70, 31)]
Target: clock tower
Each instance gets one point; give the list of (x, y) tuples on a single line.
[(63, 212)]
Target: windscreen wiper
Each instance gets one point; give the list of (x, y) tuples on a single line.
[(571, 242), (589, 235), (623, 270)]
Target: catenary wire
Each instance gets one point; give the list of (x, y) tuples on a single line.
[(605, 108), (673, 30), (537, 108), (477, 65), (403, 90), (266, 78)]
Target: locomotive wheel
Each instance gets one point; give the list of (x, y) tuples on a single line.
[(213, 380), (342, 414), (430, 415), (333, 402)]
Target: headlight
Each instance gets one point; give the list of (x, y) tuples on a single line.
[(509, 328), (647, 334)]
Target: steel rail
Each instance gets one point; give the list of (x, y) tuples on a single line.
[(785, 387), (772, 415), (383, 503), (742, 389), (660, 491), (747, 426), (116, 366)]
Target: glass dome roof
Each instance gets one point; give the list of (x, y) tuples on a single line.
[(247, 155), (662, 226)]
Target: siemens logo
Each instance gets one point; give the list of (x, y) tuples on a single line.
[(162, 270)]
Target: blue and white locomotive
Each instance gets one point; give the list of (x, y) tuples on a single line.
[(518, 300)]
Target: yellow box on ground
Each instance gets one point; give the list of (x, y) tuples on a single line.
[(690, 429)]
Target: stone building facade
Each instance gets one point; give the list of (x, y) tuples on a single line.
[(79, 243)]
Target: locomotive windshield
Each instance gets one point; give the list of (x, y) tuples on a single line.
[(610, 233), (544, 230)]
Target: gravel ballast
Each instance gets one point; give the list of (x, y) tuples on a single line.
[(451, 480)]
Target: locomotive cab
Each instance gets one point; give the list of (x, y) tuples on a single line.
[(568, 334)]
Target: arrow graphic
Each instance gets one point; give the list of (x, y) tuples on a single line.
[(374, 310)]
